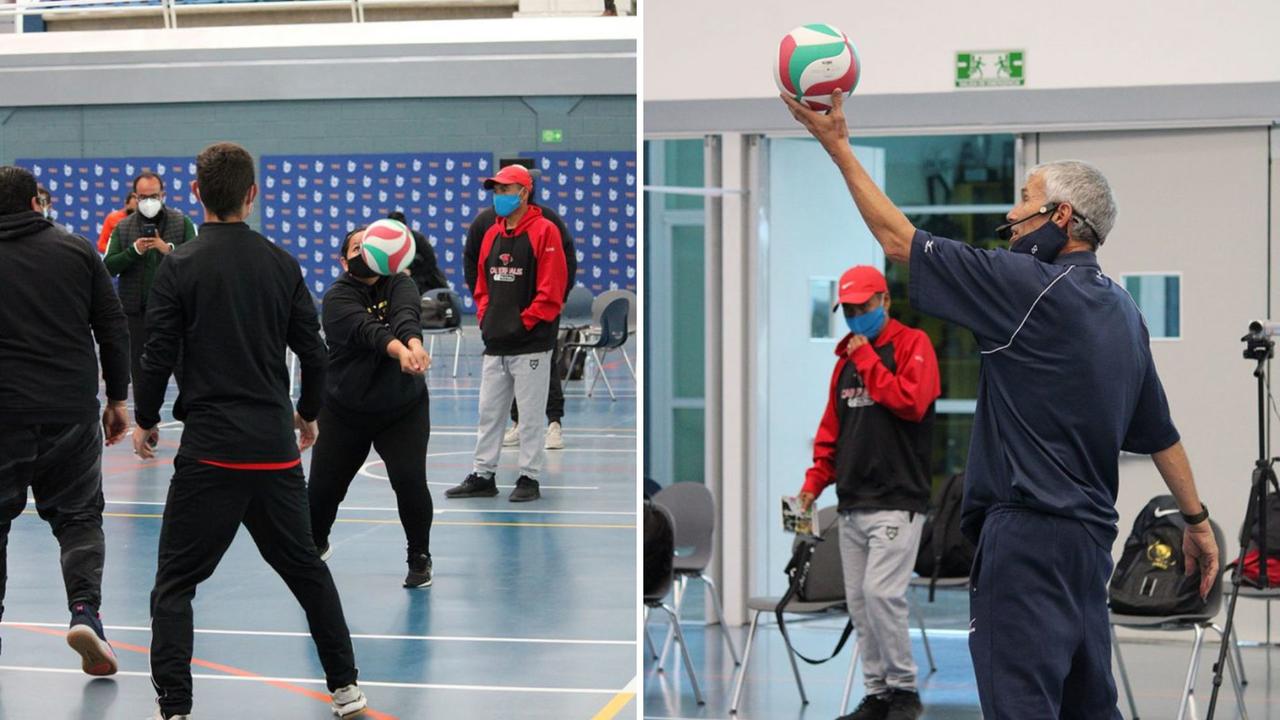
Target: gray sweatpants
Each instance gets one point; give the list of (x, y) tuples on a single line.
[(527, 378), (878, 548)]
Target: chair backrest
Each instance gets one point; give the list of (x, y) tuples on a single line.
[(602, 301), (659, 570), (694, 510), (577, 308), (613, 324), (450, 298)]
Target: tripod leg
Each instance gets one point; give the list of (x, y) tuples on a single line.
[(1235, 643), (1237, 675)]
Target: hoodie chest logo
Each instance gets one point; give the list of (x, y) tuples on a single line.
[(854, 394), (506, 272)]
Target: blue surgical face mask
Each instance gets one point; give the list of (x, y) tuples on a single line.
[(868, 324), (1044, 243), (504, 205)]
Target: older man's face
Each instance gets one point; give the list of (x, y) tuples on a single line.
[(1031, 199)]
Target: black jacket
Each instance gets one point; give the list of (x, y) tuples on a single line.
[(359, 322), (233, 302), (481, 224), (425, 269), (56, 300)]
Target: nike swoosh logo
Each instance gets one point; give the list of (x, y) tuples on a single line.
[(1166, 513), (846, 286)]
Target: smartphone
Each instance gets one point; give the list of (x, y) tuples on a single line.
[(149, 230)]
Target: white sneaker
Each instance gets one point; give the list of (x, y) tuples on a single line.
[(512, 438), (555, 441), (349, 701)]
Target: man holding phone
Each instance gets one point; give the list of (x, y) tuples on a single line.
[(138, 245)]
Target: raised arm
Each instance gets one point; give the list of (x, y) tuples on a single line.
[(890, 227)]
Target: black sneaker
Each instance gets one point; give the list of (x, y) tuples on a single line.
[(475, 485), (87, 639), (419, 571), (153, 439), (904, 705), (872, 707), (526, 490), (325, 551)]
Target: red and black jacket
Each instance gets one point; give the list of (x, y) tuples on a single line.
[(876, 436), (520, 285)]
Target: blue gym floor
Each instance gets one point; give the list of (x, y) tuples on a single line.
[(1157, 664), (532, 613)]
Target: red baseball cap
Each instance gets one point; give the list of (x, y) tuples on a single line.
[(510, 175), (859, 283)]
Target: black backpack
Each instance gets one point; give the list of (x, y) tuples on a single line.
[(659, 548), (814, 578), (1149, 578), (944, 551), (438, 312)]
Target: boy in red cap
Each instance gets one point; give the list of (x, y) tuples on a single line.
[(874, 444), (519, 294)]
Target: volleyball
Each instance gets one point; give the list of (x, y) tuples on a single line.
[(813, 61), (387, 247)]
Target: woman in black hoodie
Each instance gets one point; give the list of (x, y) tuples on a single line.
[(375, 395)]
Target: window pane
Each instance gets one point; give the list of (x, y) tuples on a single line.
[(683, 162), (689, 445), (822, 297), (948, 169), (688, 326), (1159, 298)]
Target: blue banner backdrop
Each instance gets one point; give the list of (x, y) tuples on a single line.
[(595, 193), (310, 203), (85, 190)]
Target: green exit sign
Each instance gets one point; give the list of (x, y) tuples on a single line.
[(991, 68), (552, 136)]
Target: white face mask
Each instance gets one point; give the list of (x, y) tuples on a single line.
[(149, 207)]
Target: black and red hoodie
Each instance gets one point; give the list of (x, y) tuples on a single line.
[(520, 287), (876, 436)]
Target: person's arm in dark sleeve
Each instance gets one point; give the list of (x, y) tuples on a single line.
[(990, 292), (303, 338), (823, 471), (160, 354), (405, 316), (909, 392), (1151, 428), (548, 300), (480, 293), (111, 332), (120, 257), (347, 322), (471, 251), (570, 251)]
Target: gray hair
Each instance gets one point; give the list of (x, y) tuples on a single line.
[(1084, 187)]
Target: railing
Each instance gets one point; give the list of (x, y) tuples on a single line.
[(169, 9)]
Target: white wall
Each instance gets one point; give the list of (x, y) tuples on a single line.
[(715, 49)]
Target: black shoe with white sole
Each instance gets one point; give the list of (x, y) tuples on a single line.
[(419, 571), (475, 485), (87, 638)]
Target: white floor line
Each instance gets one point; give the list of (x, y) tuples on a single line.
[(354, 636), (321, 682), (364, 470), (439, 511)]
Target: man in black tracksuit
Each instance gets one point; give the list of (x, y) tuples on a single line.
[(234, 302), (53, 291), (470, 260)]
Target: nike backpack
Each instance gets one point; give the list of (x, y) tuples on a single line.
[(1149, 578)]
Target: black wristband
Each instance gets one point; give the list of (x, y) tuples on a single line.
[(1198, 517)]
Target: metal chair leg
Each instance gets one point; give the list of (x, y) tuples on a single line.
[(431, 345), (1236, 669), (627, 358), (684, 652), (1188, 690), (602, 375), (599, 370), (648, 642), (742, 670), (848, 681), (457, 350), (795, 670), (724, 627), (924, 634), (1124, 674), (1235, 644), (677, 596)]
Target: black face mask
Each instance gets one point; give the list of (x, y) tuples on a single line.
[(358, 268), (1044, 243)]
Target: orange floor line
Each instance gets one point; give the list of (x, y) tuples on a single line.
[(226, 669)]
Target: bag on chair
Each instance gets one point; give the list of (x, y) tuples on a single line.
[(659, 548), (565, 356), (811, 581), (1254, 534), (1149, 578), (437, 314), (944, 551)]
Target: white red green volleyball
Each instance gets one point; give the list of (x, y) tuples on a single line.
[(387, 247), (814, 61)]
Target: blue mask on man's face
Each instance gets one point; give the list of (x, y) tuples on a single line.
[(868, 324), (504, 205)]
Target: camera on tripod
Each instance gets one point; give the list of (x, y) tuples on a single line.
[(1258, 343)]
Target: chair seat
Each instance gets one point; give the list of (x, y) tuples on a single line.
[(441, 331), (690, 566), (769, 604), (1271, 593), (948, 583), (1160, 622)]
